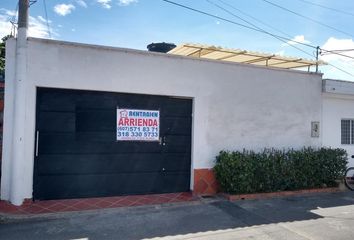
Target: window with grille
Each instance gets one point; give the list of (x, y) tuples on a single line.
[(347, 131)]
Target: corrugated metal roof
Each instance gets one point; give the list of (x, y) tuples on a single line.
[(242, 56)]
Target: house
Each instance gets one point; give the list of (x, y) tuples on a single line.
[(338, 116), (61, 138)]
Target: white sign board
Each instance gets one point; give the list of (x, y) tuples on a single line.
[(138, 125)]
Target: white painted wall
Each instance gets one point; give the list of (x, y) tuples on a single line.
[(338, 103), (235, 106), (6, 163)]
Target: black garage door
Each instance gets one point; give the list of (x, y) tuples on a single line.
[(77, 153)]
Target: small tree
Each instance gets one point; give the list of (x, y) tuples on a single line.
[(2, 55)]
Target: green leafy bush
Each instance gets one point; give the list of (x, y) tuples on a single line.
[(279, 170)]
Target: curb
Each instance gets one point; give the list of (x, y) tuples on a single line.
[(252, 196)]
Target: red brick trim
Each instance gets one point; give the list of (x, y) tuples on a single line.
[(29, 207), (204, 182), (231, 197)]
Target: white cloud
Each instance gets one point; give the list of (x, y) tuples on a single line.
[(63, 9), (126, 2), (344, 63), (42, 19), (296, 40), (37, 28), (338, 44), (8, 12), (81, 3), (105, 3), (37, 25), (5, 25)]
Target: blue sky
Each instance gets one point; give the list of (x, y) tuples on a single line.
[(136, 23)]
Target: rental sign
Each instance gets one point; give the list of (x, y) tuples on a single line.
[(138, 125)]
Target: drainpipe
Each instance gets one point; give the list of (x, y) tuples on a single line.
[(19, 117)]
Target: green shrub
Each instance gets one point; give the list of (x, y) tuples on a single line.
[(279, 170)]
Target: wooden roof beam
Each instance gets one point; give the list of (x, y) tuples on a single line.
[(258, 59)]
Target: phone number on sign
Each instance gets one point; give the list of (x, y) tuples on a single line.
[(137, 134), (138, 129)]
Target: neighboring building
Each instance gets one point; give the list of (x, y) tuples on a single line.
[(338, 116), (77, 140)]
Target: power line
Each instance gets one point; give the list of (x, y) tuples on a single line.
[(308, 18), (255, 19), (235, 23), (343, 50), (336, 53), (328, 8), (252, 28), (341, 69), (46, 18), (248, 27), (327, 51), (250, 23)]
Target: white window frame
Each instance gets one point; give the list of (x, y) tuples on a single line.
[(351, 132)]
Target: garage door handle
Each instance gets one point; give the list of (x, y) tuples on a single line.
[(37, 140)]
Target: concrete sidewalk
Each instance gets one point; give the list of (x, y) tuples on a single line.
[(315, 216)]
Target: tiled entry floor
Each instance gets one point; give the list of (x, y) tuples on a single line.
[(67, 205)]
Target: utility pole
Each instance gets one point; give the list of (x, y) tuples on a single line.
[(23, 6), (18, 126), (317, 55)]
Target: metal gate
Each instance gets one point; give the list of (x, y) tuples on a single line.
[(77, 153)]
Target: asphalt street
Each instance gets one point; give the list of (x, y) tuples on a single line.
[(315, 216)]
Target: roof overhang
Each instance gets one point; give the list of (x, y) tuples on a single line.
[(243, 56)]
